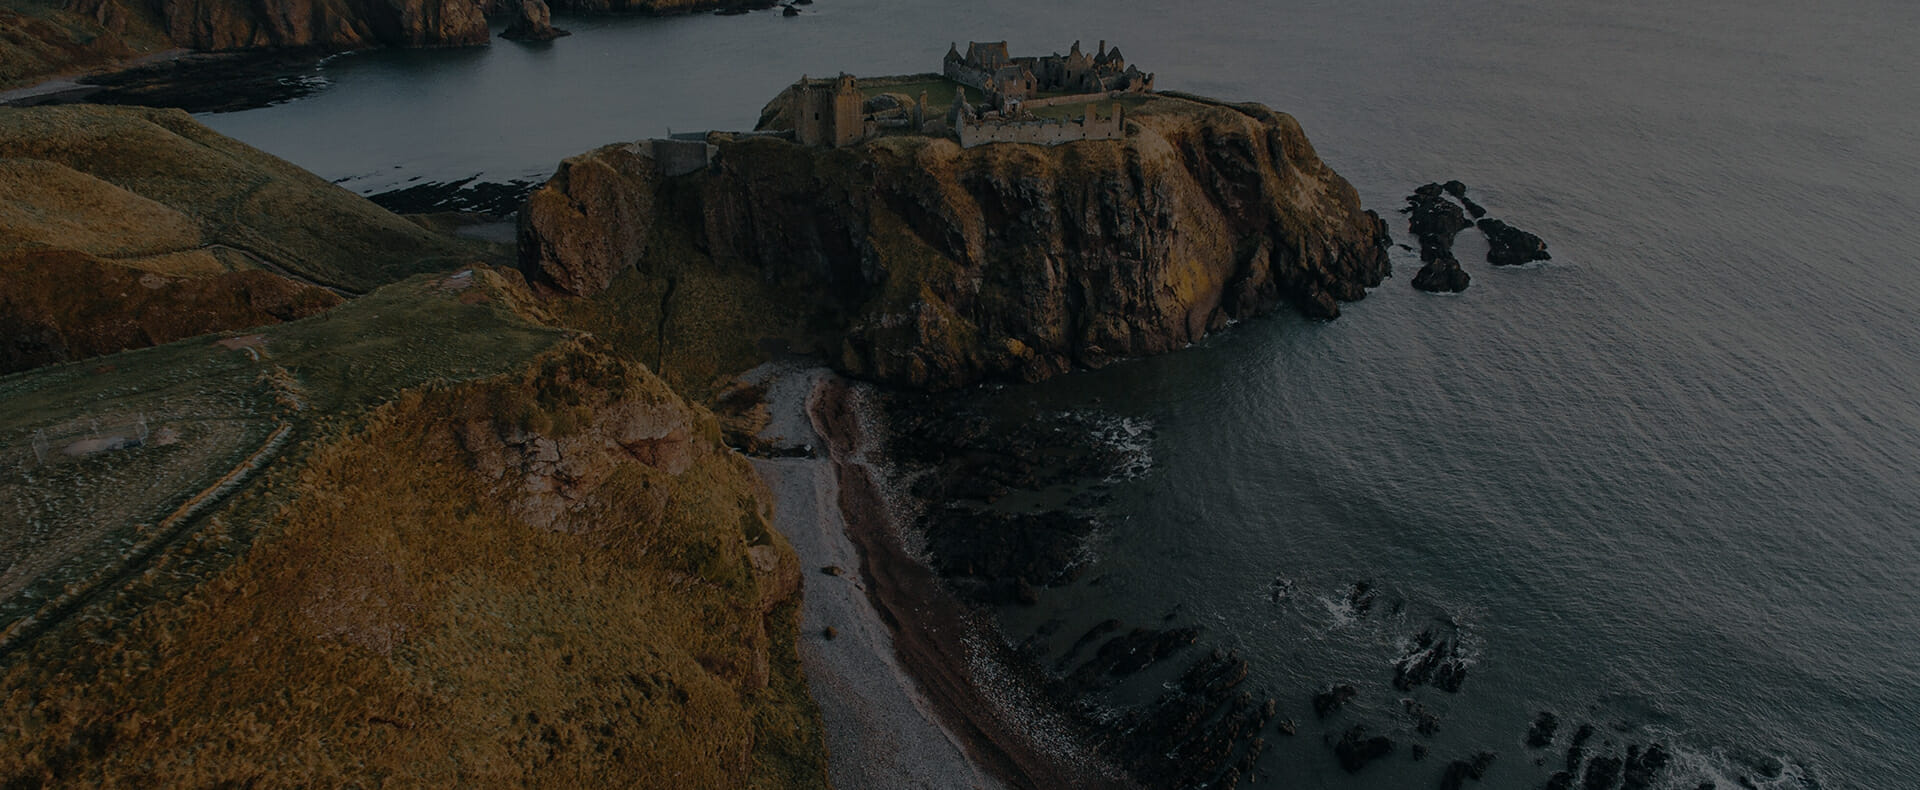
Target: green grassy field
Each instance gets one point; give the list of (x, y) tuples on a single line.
[(939, 90), (208, 406)]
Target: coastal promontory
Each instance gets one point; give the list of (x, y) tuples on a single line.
[(931, 263)]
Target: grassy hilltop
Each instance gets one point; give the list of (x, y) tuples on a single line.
[(123, 228), (428, 535)]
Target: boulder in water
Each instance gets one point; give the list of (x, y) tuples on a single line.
[(1356, 749), (532, 21), (1326, 702), (1442, 274), (1540, 735), (1511, 246)]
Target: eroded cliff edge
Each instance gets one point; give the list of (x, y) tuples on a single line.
[(921, 263)]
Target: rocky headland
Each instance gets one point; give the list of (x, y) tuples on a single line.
[(912, 261), (930, 265), (505, 470)]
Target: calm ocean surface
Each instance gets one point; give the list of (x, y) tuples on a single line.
[(1667, 483)]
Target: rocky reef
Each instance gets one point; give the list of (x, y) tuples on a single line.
[(1435, 221), (939, 266)]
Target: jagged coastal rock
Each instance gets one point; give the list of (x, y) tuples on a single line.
[(217, 25), (532, 21), (1435, 221), (1442, 274), (949, 265), (1511, 246)]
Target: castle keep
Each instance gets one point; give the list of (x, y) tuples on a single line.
[(828, 112)]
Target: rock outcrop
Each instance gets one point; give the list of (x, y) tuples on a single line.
[(1435, 221), (1443, 273), (657, 7), (947, 266), (1511, 246), (220, 25), (532, 21), (1357, 749)]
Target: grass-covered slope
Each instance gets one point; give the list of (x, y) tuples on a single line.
[(121, 228), (42, 38), (456, 547)]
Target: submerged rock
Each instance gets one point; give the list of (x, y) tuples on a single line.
[(1644, 766), (1360, 598), (1356, 749), (1603, 773), (1433, 660), (1540, 735), (1456, 776), (1326, 702), (1190, 736)]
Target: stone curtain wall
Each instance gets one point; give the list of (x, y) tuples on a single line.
[(679, 157), (974, 133)]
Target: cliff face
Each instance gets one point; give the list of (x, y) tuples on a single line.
[(38, 41), (660, 7), (952, 265), (326, 24)]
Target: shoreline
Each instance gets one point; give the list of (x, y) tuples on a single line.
[(937, 639), (901, 700), (880, 730), (68, 86)]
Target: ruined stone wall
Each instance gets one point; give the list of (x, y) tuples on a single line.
[(849, 122), (1048, 132)]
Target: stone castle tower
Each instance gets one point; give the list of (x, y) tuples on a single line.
[(827, 112)]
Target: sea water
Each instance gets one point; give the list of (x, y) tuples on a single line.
[(1666, 483)]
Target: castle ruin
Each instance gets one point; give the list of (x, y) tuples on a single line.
[(974, 131), (834, 112), (827, 112), (1006, 80)]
